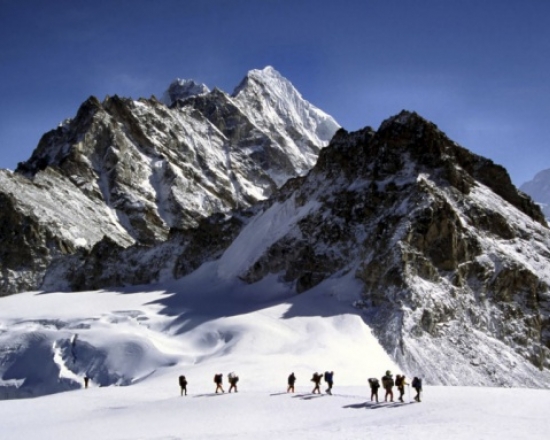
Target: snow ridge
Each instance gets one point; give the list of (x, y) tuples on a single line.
[(272, 103)]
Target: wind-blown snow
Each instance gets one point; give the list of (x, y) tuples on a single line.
[(201, 322)]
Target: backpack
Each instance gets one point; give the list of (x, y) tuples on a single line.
[(388, 382), (399, 381), (417, 383), (182, 381), (217, 378), (374, 383)]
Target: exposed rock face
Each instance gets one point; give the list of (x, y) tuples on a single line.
[(446, 247), (46, 218), (133, 170), (454, 271), (539, 190), (108, 264)]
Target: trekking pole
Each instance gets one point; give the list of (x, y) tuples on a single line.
[(409, 388)]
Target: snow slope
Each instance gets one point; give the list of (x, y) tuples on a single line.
[(158, 412), (134, 343), (201, 324)]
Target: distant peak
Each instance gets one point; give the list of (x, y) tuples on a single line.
[(404, 117), (543, 175), (181, 89), (266, 77), (267, 71)]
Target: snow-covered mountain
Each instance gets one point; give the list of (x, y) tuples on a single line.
[(443, 259), (539, 190), (132, 170), (273, 104), (453, 261)]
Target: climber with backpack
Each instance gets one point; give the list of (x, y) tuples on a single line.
[(388, 384), (233, 379), (291, 382), (183, 385), (417, 385), (316, 379), (329, 379), (400, 384), (218, 380), (374, 385)]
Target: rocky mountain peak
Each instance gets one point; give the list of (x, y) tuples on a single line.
[(133, 170), (410, 135), (181, 89), (453, 260), (300, 126)]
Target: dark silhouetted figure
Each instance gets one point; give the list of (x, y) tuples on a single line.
[(417, 385), (316, 379), (388, 383), (329, 379), (233, 379), (400, 384), (183, 385), (218, 380), (374, 386), (86, 381), (291, 382)]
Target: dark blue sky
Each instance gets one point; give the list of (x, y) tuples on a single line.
[(478, 69)]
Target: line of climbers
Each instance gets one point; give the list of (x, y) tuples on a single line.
[(387, 382)]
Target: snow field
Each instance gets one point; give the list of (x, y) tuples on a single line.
[(120, 338), (154, 412), (202, 325)]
